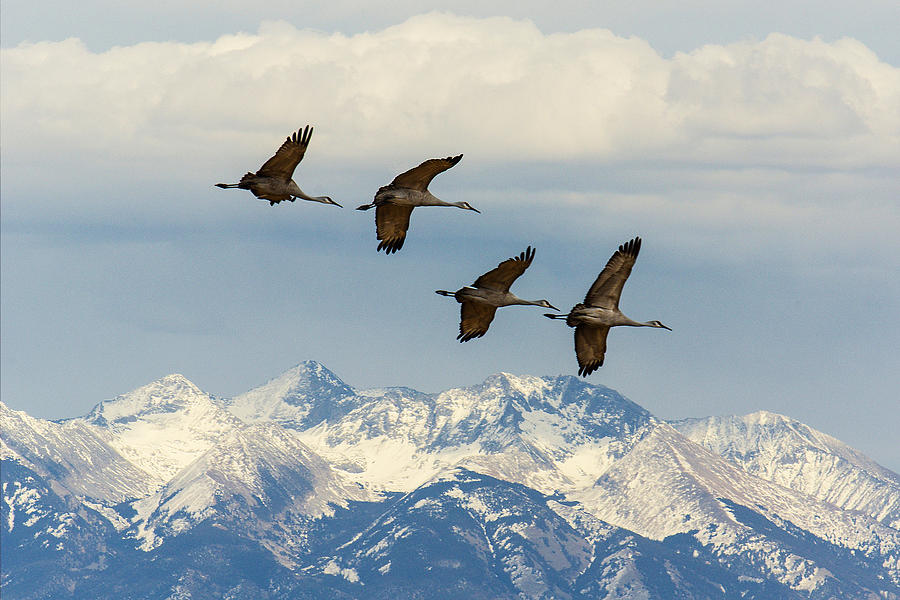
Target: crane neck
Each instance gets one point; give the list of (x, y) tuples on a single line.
[(541, 303), (624, 321), (631, 323), (531, 302), (429, 199)]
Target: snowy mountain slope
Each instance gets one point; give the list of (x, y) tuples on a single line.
[(72, 455), (789, 453), (163, 426), (464, 534), (626, 565), (668, 485), (259, 480), (52, 548), (467, 535), (43, 530)]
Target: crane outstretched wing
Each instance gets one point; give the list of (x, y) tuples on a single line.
[(608, 287), (590, 347), (419, 177), (391, 224), (287, 158), (475, 318), (506, 273)]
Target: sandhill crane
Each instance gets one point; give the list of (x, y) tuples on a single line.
[(394, 202), (490, 291), (273, 181), (600, 310)]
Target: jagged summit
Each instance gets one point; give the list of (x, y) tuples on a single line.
[(305, 394)]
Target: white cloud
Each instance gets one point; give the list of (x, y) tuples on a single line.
[(438, 84)]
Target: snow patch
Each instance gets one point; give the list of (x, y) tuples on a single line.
[(332, 568)]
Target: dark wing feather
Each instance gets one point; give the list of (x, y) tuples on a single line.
[(287, 158), (590, 347), (419, 177), (506, 273), (608, 287), (475, 318), (391, 223)]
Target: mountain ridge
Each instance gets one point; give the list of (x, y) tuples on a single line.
[(622, 502), (829, 469)]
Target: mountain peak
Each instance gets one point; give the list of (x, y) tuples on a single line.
[(169, 383), (165, 395), (174, 379), (521, 384), (313, 366), (310, 372), (307, 392), (162, 426), (765, 417)]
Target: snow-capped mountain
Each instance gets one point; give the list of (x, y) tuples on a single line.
[(519, 487), (794, 455), (163, 426)]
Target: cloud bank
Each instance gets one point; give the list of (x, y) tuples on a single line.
[(440, 83)]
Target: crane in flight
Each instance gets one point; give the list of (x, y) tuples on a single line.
[(395, 202), (600, 309), (489, 292), (274, 180)]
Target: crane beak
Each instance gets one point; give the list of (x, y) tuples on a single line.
[(551, 306), (475, 209), (335, 203)]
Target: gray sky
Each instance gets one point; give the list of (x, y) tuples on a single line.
[(755, 149)]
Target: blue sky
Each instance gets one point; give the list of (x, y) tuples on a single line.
[(755, 150)]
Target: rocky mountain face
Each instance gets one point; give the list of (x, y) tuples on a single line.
[(520, 487)]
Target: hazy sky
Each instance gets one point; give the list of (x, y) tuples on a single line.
[(755, 148)]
